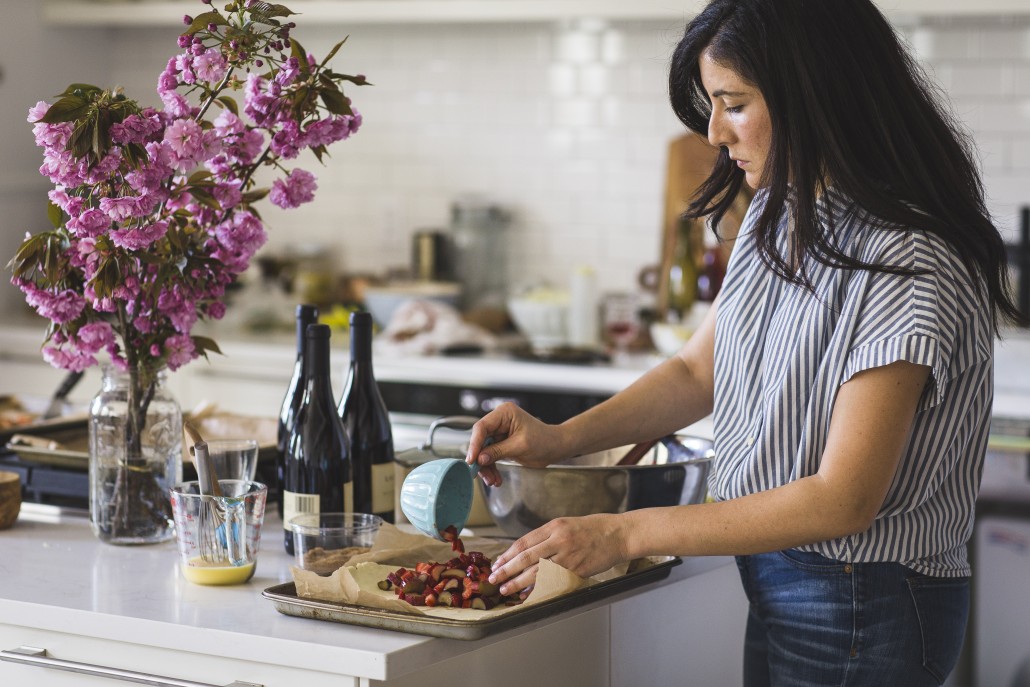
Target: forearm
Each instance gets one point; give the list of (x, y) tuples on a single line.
[(667, 398), (802, 512)]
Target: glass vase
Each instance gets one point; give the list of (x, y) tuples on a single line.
[(135, 457)]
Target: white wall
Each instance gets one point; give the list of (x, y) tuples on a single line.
[(35, 64), (565, 124)]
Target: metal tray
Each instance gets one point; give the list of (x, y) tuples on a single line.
[(71, 436), (286, 601)]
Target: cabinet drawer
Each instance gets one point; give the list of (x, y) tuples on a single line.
[(170, 665)]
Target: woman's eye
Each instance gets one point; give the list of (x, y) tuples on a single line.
[(735, 109)]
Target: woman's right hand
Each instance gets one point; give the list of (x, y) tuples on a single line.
[(516, 436)]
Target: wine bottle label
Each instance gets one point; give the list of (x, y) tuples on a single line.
[(295, 504), (348, 497), (382, 487)]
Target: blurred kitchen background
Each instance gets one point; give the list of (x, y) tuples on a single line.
[(538, 146), (562, 125)]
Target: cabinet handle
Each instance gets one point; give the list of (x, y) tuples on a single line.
[(31, 656)]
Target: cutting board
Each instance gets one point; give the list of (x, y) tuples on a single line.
[(690, 161)]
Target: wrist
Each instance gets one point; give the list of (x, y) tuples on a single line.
[(625, 536)]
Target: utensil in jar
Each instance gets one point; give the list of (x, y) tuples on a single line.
[(57, 401), (438, 494), (219, 539)]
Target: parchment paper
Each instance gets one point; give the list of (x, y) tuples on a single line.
[(357, 582)]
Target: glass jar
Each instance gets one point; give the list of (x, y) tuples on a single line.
[(135, 457)]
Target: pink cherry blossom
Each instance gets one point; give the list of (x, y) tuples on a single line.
[(159, 222), (298, 188), (139, 238), (94, 336), (210, 65), (180, 350)]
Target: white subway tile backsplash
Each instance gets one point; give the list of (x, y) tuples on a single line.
[(568, 126), (995, 152), (982, 77), (946, 41), (1019, 153)]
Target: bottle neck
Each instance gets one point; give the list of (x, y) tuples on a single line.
[(316, 361), (360, 343), (305, 316)]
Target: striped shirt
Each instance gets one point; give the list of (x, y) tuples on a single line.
[(782, 352)]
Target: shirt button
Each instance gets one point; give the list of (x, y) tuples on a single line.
[(749, 441)]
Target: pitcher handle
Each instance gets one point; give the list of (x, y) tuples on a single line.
[(460, 422)]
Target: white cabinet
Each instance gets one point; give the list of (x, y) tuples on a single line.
[(164, 667), (167, 12)]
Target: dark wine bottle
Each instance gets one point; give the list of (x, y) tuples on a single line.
[(367, 423), (306, 314), (317, 470)]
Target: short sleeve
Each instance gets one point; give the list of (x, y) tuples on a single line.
[(905, 317)]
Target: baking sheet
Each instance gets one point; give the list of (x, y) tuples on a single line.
[(64, 442), (641, 572)]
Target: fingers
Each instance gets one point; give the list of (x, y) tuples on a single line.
[(498, 422), (522, 583), (516, 569), (490, 476)]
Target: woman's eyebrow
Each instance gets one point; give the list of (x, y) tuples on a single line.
[(720, 92)]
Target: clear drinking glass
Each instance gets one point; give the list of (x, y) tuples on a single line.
[(234, 458)]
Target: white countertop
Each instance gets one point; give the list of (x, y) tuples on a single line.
[(57, 576), (270, 357)]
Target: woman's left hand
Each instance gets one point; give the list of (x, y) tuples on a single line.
[(587, 545)]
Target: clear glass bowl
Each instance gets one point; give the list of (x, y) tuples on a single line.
[(323, 542)]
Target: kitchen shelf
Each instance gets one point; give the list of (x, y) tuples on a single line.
[(169, 12)]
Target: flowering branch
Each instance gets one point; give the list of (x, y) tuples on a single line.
[(152, 209)]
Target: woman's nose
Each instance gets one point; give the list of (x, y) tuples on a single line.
[(716, 131)]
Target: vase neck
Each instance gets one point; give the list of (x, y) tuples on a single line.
[(114, 377)]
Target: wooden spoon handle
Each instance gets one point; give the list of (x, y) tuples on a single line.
[(634, 455)]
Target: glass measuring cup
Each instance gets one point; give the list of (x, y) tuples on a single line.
[(438, 494), (213, 550)]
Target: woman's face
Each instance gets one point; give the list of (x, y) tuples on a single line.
[(740, 119)]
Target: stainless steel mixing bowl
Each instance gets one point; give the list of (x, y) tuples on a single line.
[(675, 472)]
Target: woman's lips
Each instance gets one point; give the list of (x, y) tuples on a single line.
[(742, 163)]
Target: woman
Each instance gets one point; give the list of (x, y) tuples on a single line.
[(846, 363)]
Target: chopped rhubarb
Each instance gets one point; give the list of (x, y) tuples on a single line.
[(461, 582)]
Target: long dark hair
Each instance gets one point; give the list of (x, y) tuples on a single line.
[(847, 103)]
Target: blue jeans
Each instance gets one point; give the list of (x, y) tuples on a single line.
[(815, 621)]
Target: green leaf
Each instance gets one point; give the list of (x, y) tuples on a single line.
[(107, 277), (267, 9), (335, 102), (67, 109), (255, 195), (356, 79), (28, 255), (229, 103), (297, 50), (54, 214), (84, 89), (199, 176), (205, 344), (319, 151), (82, 138), (332, 53), (204, 197), (201, 21)]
